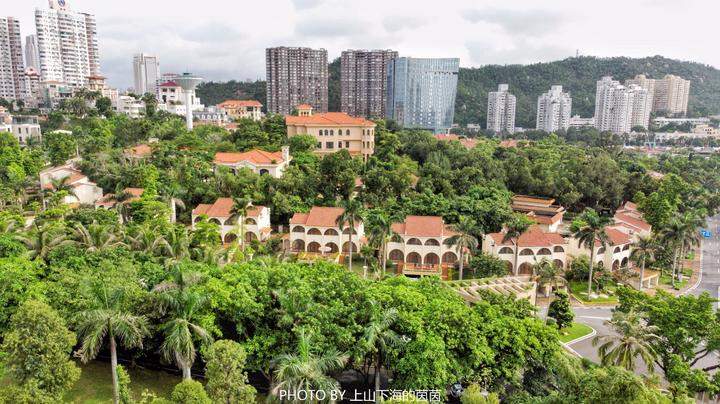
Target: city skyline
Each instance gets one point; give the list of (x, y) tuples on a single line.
[(217, 46)]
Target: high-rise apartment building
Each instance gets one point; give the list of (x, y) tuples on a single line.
[(671, 95), (553, 110), (501, 110), (296, 76), (421, 92), (67, 44), (32, 58), (363, 82), (619, 108), (12, 67), (146, 72), (668, 95)]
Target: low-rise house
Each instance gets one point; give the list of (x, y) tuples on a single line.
[(241, 109), (422, 245), (628, 219), (83, 191), (533, 246), (469, 143), (259, 161), (140, 151), (334, 131), (111, 200), (613, 255), (130, 106), (25, 128), (542, 211), (318, 232), (256, 222)]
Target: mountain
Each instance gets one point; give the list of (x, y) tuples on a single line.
[(577, 75)]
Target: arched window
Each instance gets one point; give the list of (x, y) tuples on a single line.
[(544, 251), (559, 264), (331, 232), (505, 250), (298, 229), (601, 250), (413, 258), (348, 229), (558, 249), (449, 258), (431, 241), (250, 221), (332, 132), (432, 259), (396, 238), (331, 248), (314, 232), (298, 245), (396, 255), (414, 241), (313, 247), (346, 247), (616, 250), (347, 132), (264, 171), (526, 251), (626, 247)]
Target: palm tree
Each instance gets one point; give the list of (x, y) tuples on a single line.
[(633, 340), (177, 244), (181, 304), (463, 240), (351, 216), (147, 239), (240, 209), (172, 197), (589, 229), (306, 369), (516, 227), (107, 317), (690, 236), (41, 240), (59, 185), (548, 274), (95, 237), (381, 233), (643, 251), (379, 338)]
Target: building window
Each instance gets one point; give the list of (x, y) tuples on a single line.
[(329, 145), (339, 145), (347, 132), (332, 132), (347, 144)]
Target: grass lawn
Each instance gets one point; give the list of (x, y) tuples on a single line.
[(576, 330), (579, 290), (95, 384), (666, 279)]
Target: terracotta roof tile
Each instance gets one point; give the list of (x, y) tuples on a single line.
[(318, 217), (221, 208), (239, 103), (423, 226), (616, 237), (256, 156), (141, 150), (632, 221), (328, 119), (534, 237), (469, 143)]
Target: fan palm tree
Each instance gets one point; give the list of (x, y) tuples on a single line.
[(463, 240), (379, 338), (516, 227), (240, 209), (643, 251), (181, 305), (351, 216), (633, 340), (106, 317), (95, 237), (381, 233), (548, 274), (589, 229), (306, 369)]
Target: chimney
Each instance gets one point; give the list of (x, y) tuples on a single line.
[(286, 153)]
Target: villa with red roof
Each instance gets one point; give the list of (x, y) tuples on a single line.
[(256, 222), (533, 245), (138, 152), (110, 200), (318, 232), (469, 143), (242, 109), (421, 246), (84, 191), (540, 210), (629, 220), (616, 252), (334, 131), (257, 160)]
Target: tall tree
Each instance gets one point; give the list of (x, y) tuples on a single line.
[(351, 217), (632, 339), (548, 275), (240, 209), (589, 229), (379, 338), (463, 240), (227, 381), (643, 251), (514, 228), (381, 233), (107, 316)]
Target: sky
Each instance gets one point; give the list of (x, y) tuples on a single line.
[(224, 39)]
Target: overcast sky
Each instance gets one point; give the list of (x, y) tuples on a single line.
[(224, 39)]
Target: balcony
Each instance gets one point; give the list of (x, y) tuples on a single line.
[(411, 269)]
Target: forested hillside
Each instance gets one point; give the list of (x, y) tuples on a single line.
[(527, 82)]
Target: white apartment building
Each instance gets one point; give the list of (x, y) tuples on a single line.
[(32, 91), (130, 106), (501, 110), (668, 95), (576, 121), (172, 98), (67, 44), (256, 223), (146, 73), (618, 108), (553, 110), (12, 67), (32, 57), (25, 128)]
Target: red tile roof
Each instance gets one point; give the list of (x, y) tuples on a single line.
[(318, 217), (239, 103), (169, 84), (222, 208), (255, 156), (534, 237), (423, 226), (328, 119), (616, 237), (509, 143), (469, 143), (141, 150), (632, 221), (73, 177)]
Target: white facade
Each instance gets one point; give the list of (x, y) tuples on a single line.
[(618, 108), (25, 128), (67, 44), (258, 161), (12, 67), (146, 72), (318, 232), (32, 56), (130, 106), (553, 110), (84, 192), (256, 224), (578, 122), (501, 110), (32, 93)]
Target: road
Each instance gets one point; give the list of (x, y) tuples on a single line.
[(709, 282)]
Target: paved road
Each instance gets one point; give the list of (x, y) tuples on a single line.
[(710, 282)]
